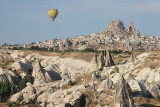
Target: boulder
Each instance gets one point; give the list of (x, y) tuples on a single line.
[(105, 85), (134, 85), (15, 97)]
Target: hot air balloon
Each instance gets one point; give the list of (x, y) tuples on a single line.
[(53, 13)]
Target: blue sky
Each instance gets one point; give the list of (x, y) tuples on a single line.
[(25, 21)]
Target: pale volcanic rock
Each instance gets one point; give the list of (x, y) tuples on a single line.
[(23, 64), (134, 85), (8, 76), (132, 30), (48, 61), (28, 91), (123, 96), (75, 98), (15, 97), (39, 74), (132, 59), (105, 85), (115, 77), (155, 90), (115, 26), (28, 94), (16, 54), (34, 57)]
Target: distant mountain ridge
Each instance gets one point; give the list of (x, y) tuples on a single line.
[(116, 36)]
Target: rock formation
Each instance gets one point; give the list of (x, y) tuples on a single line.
[(39, 74), (115, 26), (132, 30), (105, 85), (65, 44), (134, 85), (28, 94), (106, 59), (8, 76), (155, 90), (24, 65), (123, 96), (132, 58)]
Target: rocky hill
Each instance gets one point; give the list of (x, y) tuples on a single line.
[(61, 81), (116, 36)]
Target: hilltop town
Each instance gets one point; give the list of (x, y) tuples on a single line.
[(116, 36)]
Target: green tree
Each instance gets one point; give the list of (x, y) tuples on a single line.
[(23, 82), (5, 91)]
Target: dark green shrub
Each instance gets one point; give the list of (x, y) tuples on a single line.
[(71, 83), (127, 52), (23, 82), (6, 90), (116, 51), (89, 50)]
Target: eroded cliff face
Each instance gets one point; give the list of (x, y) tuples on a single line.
[(123, 97), (117, 27), (98, 82), (114, 27), (132, 30)]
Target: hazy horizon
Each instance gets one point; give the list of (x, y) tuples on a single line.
[(28, 21)]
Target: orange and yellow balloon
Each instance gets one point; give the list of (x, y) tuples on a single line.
[(53, 13)]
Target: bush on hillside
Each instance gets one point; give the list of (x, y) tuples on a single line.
[(89, 50), (24, 81), (6, 90)]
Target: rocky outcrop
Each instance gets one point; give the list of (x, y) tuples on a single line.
[(62, 99), (28, 94), (39, 74), (132, 30), (34, 57), (8, 76), (132, 58), (105, 85), (134, 85), (106, 59), (16, 54), (155, 90), (24, 65), (115, 26), (123, 96), (65, 44)]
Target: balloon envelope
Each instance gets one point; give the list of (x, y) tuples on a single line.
[(53, 13)]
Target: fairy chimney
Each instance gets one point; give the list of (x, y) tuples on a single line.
[(123, 96)]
